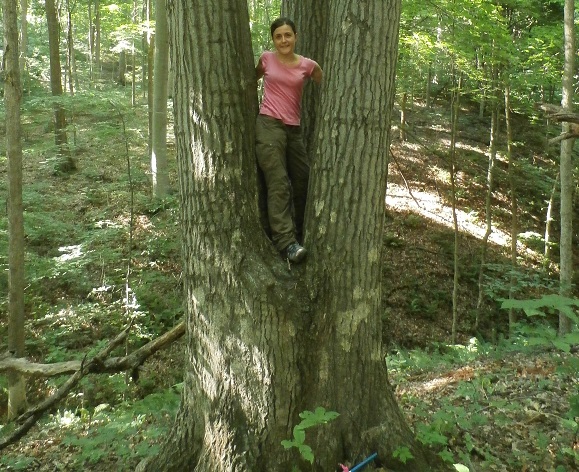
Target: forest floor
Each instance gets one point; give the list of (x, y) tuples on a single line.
[(489, 401)]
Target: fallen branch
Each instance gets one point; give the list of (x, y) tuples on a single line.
[(33, 369), (114, 364), (98, 364)]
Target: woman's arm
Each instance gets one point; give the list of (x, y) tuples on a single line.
[(317, 74), (259, 70)]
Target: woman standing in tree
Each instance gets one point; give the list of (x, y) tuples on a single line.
[(280, 149)]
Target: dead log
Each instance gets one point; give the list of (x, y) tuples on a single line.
[(114, 364)]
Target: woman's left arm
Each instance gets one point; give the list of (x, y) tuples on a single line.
[(317, 74)]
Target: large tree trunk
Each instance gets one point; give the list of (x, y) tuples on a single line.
[(12, 100), (266, 341)]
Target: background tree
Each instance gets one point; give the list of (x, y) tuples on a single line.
[(159, 168), (567, 182), (66, 163), (12, 101)]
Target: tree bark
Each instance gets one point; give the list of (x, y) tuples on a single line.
[(66, 163), (566, 170), (97, 41), (12, 101), (514, 206), (266, 341), (23, 41), (489, 194), (159, 169), (455, 106)]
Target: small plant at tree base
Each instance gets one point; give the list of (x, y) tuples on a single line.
[(402, 453), (309, 419)]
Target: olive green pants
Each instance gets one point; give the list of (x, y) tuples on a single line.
[(282, 157)]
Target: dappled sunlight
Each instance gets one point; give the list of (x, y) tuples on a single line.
[(69, 253), (432, 207)]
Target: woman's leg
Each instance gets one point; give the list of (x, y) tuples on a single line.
[(299, 171), (271, 142)]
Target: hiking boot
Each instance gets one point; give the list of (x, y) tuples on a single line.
[(295, 253)]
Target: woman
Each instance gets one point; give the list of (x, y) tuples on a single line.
[(281, 153)]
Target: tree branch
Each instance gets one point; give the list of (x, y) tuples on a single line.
[(560, 114), (557, 113), (114, 364)]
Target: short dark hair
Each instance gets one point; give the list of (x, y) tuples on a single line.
[(280, 22)]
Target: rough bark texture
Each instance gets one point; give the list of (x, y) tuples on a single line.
[(12, 100), (242, 326), (265, 340), (345, 370)]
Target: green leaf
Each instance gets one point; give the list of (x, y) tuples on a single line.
[(402, 453), (561, 345), (307, 453), (317, 417), (299, 435), (446, 455), (287, 444)]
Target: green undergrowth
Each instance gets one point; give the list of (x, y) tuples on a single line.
[(507, 406), (100, 253), (102, 436)]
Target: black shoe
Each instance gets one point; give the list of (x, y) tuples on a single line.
[(295, 253)]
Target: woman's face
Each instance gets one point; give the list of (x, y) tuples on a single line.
[(284, 40)]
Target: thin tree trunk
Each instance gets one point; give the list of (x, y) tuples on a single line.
[(429, 87), (566, 243), (159, 169), (65, 163), (122, 68), (150, 72), (12, 100), (97, 41), (134, 58), (513, 282), (70, 48), (548, 221), (488, 202), (146, 48), (403, 124), (24, 42), (454, 131), (91, 35)]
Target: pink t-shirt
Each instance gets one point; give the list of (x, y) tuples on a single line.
[(282, 87)]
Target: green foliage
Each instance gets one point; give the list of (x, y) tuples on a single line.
[(309, 419), (18, 463), (547, 304), (403, 454), (498, 277), (133, 430)]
